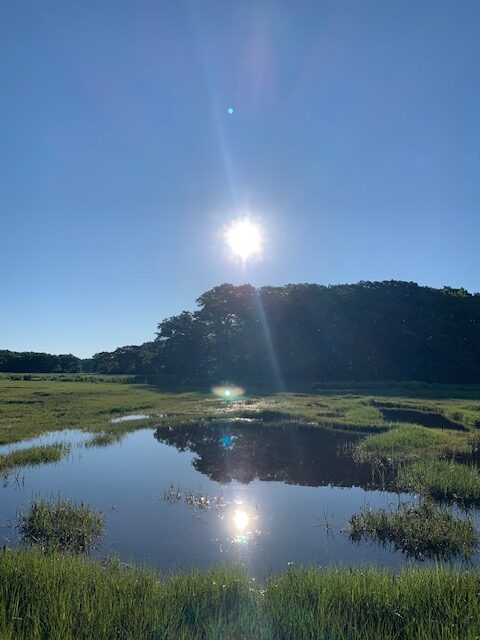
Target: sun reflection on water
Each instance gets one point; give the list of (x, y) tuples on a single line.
[(242, 521)]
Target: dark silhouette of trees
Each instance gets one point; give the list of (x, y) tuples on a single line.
[(370, 331), (31, 362)]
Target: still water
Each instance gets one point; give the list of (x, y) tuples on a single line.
[(278, 496)]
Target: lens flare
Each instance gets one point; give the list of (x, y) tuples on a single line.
[(244, 239), (228, 392)]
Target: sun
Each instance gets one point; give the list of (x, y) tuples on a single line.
[(244, 239)]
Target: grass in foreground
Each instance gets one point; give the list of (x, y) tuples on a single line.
[(421, 531), (61, 524), (70, 598), (443, 480), (32, 456)]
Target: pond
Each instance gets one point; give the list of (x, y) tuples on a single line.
[(197, 496)]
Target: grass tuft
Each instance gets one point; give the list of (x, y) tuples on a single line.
[(443, 480), (61, 524), (104, 439), (421, 531)]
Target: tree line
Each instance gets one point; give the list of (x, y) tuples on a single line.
[(370, 331), (33, 362)]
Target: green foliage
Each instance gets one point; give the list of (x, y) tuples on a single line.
[(422, 530), (32, 456), (443, 480), (31, 362), (370, 331), (61, 524), (70, 598), (304, 333)]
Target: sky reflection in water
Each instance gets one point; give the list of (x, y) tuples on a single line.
[(283, 496)]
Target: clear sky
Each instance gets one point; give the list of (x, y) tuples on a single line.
[(355, 140)]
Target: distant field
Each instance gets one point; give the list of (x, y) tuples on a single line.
[(445, 418)]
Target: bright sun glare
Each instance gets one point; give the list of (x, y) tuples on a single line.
[(241, 520), (244, 239)]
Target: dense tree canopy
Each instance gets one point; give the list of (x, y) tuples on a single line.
[(368, 331), (31, 362)]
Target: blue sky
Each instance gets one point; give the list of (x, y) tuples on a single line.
[(355, 141)]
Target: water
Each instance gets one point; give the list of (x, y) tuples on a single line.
[(136, 416), (287, 495)]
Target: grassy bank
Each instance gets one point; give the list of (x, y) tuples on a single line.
[(32, 456), (69, 598)]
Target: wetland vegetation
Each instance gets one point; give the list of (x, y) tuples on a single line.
[(57, 596), (420, 530), (60, 524), (338, 439), (443, 480), (31, 456)]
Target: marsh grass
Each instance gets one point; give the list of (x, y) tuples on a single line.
[(104, 439), (60, 524), (373, 604), (63, 597), (421, 531), (49, 403), (443, 480), (410, 442), (31, 456)]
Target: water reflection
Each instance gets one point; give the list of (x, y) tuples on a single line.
[(159, 510), (241, 520), (245, 452)]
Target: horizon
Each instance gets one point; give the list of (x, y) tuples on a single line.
[(191, 309), (134, 135)]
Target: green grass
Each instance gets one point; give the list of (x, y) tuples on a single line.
[(409, 442), (443, 480), (421, 531), (32, 456), (58, 597), (374, 604), (32, 406), (104, 439), (60, 524)]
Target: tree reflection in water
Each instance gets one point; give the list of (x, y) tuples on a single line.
[(306, 456)]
